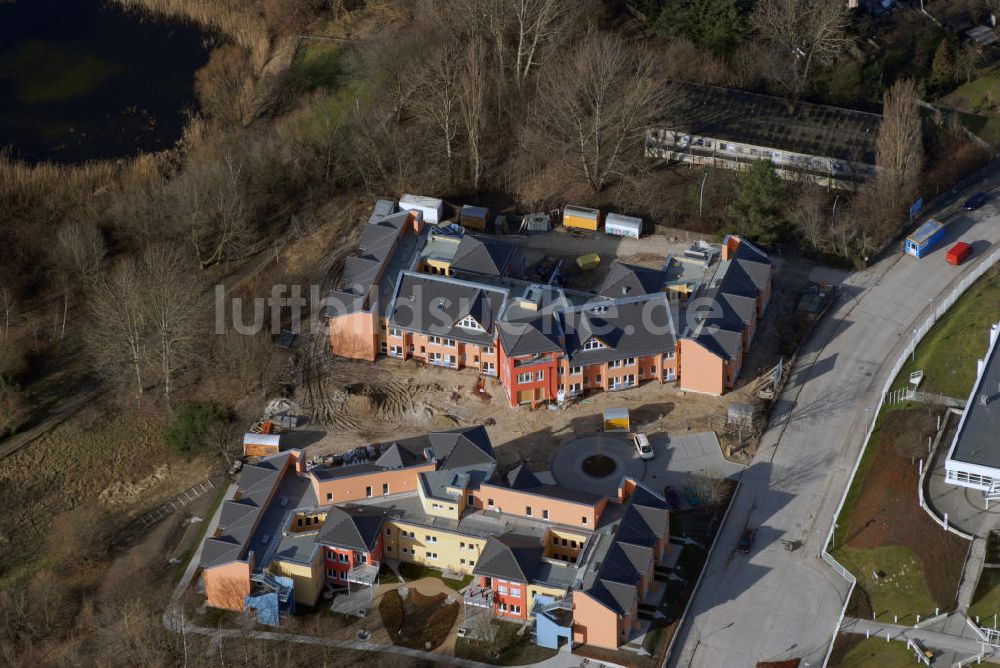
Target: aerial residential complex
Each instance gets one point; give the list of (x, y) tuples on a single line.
[(729, 128), (974, 457), (459, 300), (577, 564)]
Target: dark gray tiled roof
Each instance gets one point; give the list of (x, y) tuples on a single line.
[(628, 327), (522, 478), (531, 337), (240, 516), (616, 596), (351, 528), (627, 280), (397, 457), (510, 556), (482, 255), (762, 120), (435, 304)]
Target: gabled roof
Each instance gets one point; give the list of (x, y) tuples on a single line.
[(634, 529), (522, 478), (467, 446), (396, 457), (531, 337), (615, 596), (644, 496), (629, 280), (510, 556), (239, 516), (351, 528), (629, 327), (482, 255), (435, 305)]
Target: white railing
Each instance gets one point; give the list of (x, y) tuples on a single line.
[(932, 317)]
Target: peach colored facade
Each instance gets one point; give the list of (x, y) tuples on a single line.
[(353, 335), (228, 585), (439, 351), (369, 485), (535, 506), (703, 370), (594, 624)]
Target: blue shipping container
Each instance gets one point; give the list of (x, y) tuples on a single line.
[(924, 238)]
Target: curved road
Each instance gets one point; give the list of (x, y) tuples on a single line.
[(781, 601)]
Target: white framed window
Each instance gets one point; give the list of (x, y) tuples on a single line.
[(629, 361), (489, 369), (488, 350), (393, 331), (524, 377), (432, 555), (540, 374), (396, 351), (668, 356), (574, 370), (383, 347), (343, 557), (670, 374), (502, 589), (593, 344), (468, 322), (515, 591)]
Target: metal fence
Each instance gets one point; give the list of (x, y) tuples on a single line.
[(933, 314)]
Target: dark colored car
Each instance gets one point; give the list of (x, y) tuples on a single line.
[(976, 201), (576, 234), (746, 541), (672, 498)]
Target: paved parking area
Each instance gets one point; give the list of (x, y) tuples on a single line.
[(676, 458)]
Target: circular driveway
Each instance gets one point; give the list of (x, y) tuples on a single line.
[(567, 463)]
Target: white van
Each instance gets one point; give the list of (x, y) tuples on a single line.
[(643, 447)]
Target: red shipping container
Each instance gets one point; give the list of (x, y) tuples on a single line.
[(958, 253)]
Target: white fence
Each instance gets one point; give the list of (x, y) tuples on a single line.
[(934, 314)]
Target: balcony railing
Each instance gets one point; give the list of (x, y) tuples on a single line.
[(481, 597)]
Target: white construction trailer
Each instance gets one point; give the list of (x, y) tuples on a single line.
[(431, 207), (622, 226)]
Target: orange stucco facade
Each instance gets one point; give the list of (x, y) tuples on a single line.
[(354, 335), (228, 585), (519, 502), (376, 483)]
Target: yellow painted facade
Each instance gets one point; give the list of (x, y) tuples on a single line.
[(308, 579), (436, 548)]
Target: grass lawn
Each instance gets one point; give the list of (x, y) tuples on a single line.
[(520, 650), (411, 571), (878, 652), (986, 600), (902, 589), (948, 354)]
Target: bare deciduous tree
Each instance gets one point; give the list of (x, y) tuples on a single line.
[(799, 33), (209, 205), (76, 256), (472, 83), (438, 101), (116, 336), (597, 107), (171, 305)]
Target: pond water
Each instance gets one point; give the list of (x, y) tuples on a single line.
[(82, 80)]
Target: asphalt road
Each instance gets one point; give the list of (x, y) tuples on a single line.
[(781, 601)]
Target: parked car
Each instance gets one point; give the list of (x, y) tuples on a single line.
[(643, 447), (746, 541), (672, 498), (976, 201)]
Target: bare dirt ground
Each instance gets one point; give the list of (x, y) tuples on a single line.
[(355, 403)]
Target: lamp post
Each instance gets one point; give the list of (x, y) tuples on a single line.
[(701, 194)]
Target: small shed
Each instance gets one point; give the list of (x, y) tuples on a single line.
[(536, 223), (261, 445), (474, 217), (924, 238), (622, 226), (581, 217), (616, 419), (589, 261), (958, 253), (431, 207)]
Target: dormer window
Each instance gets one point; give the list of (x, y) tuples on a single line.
[(593, 344), (468, 322)]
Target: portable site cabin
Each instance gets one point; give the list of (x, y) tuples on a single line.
[(924, 238), (958, 253), (474, 217), (581, 217), (261, 445), (622, 226), (432, 208), (536, 223), (616, 419)]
